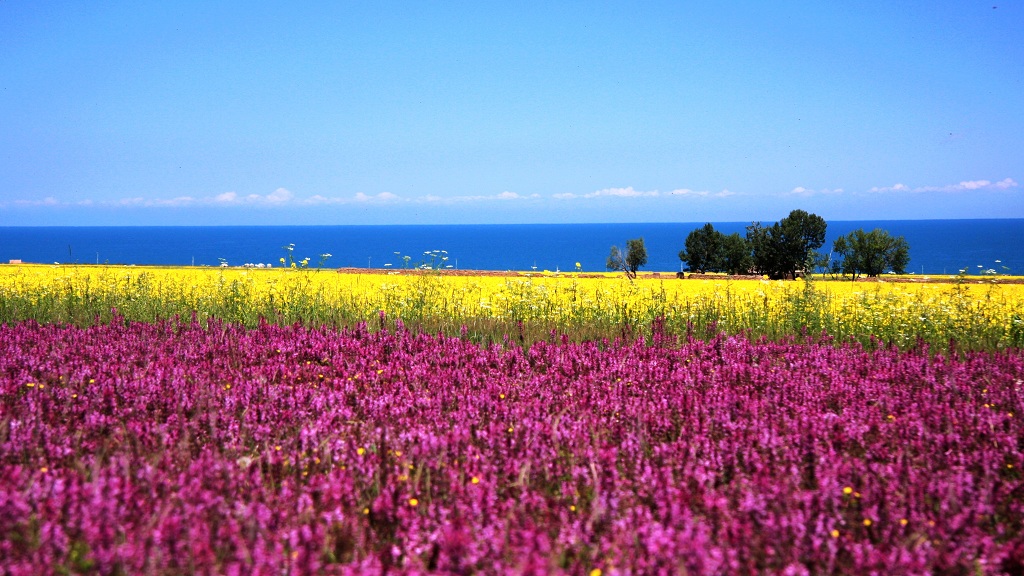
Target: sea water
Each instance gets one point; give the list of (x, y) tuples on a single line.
[(936, 246)]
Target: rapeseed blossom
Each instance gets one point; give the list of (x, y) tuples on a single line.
[(530, 306)]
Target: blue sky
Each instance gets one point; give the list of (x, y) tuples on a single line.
[(478, 112)]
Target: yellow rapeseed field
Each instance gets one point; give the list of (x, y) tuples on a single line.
[(608, 305)]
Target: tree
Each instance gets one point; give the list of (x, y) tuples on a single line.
[(764, 247), (783, 248), (802, 234), (703, 251), (872, 253), (630, 260), (736, 254), (708, 250)]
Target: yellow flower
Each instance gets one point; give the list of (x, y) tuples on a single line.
[(903, 521), (867, 522), (413, 502), (595, 571), (475, 480), (360, 451), (834, 533), (847, 490)]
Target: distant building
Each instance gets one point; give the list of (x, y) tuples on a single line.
[(14, 261)]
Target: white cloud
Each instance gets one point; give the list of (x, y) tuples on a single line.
[(48, 201), (702, 193), (279, 196), (630, 192), (893, 188), (1005, 183), (173, 202), (688, 192), (806, 192), (383, 197), (625, 192), (964, 186), (502, 196)]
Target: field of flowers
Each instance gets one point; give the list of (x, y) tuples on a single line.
[(169, 421), (973, 314), (173, 447)]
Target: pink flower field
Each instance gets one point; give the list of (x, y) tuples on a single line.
[(171, 447)]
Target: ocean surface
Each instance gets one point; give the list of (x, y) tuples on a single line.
[(936, 246)]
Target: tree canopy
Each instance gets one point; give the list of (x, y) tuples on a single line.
[(708, 250), (703, 251), (872, 253), (787, 246)]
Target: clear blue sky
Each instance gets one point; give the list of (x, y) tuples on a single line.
[(477, 112)]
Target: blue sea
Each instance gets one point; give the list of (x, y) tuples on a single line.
[(936, 246)]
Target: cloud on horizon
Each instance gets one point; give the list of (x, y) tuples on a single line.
[(965, 186), (281, 197), (630, 192), (805, 192)]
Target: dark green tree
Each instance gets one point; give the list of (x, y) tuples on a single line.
[(704, 250), (708, 250), (629, 260), (736, 254), (763, 247), (789, 245), (802, 235), (872, 253)]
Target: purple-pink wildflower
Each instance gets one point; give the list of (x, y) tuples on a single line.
[(173, 447)]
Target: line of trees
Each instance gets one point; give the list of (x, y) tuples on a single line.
[(784, 249), (790, 246)]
